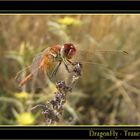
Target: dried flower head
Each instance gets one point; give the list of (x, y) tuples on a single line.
[(53, 110)]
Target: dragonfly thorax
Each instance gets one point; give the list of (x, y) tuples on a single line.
[(55, 53)]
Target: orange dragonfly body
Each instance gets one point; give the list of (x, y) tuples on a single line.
[(45, 60)]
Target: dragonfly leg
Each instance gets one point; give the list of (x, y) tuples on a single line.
[(53, 74), (66, 66), (72, 63)]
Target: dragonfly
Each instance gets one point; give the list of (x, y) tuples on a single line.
[(49, 61), (45, 61)]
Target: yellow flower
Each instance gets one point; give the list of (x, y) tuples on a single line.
[(69, 21), (25, 118), (22, 95)]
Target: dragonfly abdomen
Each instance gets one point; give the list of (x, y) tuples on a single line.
[(27, 78)]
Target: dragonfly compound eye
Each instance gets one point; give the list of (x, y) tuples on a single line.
[(69, 50)]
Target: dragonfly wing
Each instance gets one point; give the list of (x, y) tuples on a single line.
[(83, 55), (98, 56), (37, 77), (36, 61), (21, 74)]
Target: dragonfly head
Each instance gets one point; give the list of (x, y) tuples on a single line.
[(69, 50)]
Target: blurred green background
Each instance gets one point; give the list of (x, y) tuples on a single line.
[(102, 96)]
